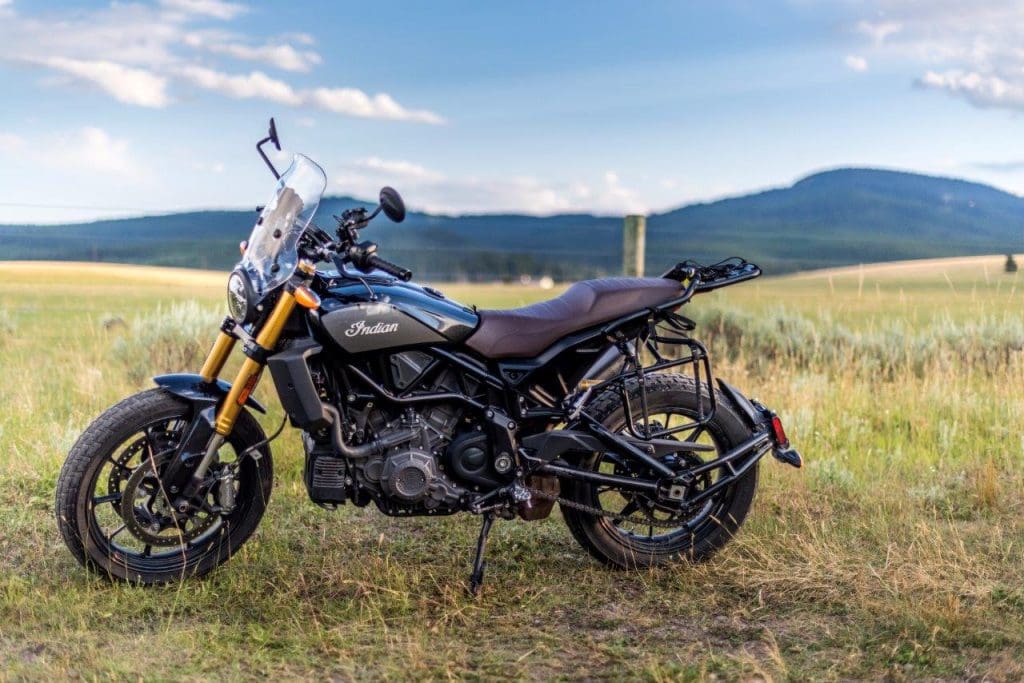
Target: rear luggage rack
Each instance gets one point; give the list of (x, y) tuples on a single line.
[(721, 274)]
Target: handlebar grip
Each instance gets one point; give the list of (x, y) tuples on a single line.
[(401, 273)]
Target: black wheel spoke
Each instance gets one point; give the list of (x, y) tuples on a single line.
[(630, 507), (116, 532), (111, 498), (118, 465)]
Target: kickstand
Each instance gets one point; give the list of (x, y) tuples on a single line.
[(476, 579)]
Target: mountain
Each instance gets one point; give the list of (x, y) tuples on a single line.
[(838, 217), (848, 216)]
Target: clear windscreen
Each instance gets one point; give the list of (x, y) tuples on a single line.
[(272, 253)]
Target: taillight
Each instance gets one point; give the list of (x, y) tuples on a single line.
[(779, 432)]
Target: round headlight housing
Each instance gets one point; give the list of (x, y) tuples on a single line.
[(241, 298)]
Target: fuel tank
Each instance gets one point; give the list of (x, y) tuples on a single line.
[(390, 314)]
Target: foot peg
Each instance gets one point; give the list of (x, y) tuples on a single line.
[(476, 579)]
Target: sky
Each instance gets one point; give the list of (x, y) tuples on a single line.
[(540, 107)]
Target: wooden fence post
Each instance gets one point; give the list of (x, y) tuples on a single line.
[(633, 244)]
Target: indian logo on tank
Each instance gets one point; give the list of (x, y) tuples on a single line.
[(360, 328)]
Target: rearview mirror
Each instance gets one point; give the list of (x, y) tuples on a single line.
[(273, 135), (392, 204)]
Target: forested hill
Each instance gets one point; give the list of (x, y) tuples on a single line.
[(839, 217)]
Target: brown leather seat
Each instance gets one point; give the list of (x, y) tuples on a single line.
[(525, 332)]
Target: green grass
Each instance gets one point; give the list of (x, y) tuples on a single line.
[(897, 552)]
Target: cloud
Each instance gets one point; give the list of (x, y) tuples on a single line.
[(879, 31), (89, 150), (125, 84), (217, 9), (254, 85), (401, 169), (300, 38), (95, 150), (357, 103), (348, 101), (139, 53), (283, 56), (856, 63), (967, 50), (278, 55), (437, 192), (981, 90)]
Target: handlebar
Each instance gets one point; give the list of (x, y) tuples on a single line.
[(364, 257), (377, 262)]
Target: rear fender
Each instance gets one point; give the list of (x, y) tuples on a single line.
[(195, 390), (759, 417), (751, 414)]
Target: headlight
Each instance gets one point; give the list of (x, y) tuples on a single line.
[(240, 297)]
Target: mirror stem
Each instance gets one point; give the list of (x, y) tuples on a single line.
[(266, 160)]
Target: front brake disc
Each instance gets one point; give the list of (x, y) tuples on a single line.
[(147, 512)]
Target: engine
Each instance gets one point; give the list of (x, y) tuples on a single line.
[(415, 476)]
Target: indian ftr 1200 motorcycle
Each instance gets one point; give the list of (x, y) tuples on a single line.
[(598, 400)]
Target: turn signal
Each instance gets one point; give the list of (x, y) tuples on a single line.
[(242, 246), (307, 298)]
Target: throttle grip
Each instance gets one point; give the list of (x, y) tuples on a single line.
[(401, 273)]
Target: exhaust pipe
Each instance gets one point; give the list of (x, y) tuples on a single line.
[(375, 447)]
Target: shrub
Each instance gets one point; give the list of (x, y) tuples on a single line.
[(987, 344), (8, 326), (170, 339)]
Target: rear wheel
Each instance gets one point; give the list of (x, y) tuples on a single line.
[(115, 515), (656, 533)]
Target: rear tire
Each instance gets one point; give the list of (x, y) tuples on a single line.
[(612, 544), (101, 466)]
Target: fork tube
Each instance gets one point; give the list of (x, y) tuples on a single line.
[(249, 374), (217, 357)]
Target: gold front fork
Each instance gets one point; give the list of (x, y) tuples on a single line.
[(217, 357), (249, 374)]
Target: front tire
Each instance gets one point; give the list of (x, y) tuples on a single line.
[(109, 490), (701, 532)]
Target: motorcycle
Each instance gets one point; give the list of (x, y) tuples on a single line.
[(599, 400)]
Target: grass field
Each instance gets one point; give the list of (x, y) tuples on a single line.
[(897, 552)]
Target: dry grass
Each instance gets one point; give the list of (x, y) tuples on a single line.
[(897, 552)]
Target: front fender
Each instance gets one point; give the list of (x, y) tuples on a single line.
[(194, 389)]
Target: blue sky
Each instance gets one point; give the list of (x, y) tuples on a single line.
[(538, 107)]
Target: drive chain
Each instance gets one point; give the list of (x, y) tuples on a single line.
[(614, 516)]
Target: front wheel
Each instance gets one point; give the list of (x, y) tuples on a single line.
[(112, 509), (638, 531)]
